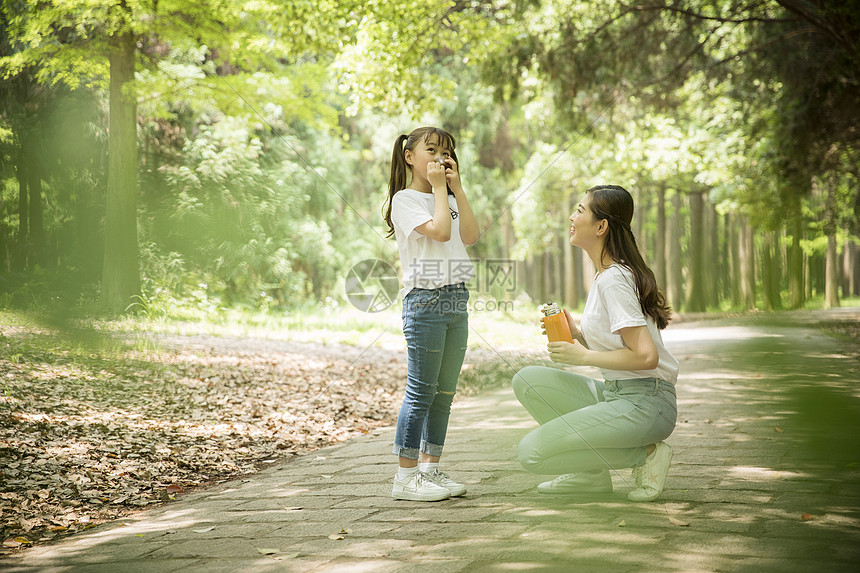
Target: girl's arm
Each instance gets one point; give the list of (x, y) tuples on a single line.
[(468, 225), (439, 227), (640, 352)]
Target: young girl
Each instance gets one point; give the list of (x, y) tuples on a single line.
[(589, 427), (432, 221)]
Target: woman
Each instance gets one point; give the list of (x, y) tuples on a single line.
[(589, 427)]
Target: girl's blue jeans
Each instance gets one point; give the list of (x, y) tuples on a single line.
[(436, 326), (589, 425)]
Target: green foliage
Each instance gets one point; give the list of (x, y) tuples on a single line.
[(265, 129)]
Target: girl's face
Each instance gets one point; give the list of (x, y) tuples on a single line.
[(585, 230), (429, 150)]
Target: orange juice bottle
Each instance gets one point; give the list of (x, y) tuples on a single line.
[(555, 323)]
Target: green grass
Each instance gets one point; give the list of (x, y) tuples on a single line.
[(341, 324), (334, 323)]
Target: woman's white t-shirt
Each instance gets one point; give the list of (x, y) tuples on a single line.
[(613, 304), (427, 263)]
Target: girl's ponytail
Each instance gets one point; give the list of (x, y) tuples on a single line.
[(400, 170), (398, 179)]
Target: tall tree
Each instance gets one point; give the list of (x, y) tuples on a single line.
[(120, 274)]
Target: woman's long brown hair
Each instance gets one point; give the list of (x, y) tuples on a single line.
[(400, 170), (615, 205)]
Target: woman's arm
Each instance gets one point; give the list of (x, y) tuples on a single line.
[(640, 352), (574, 331)]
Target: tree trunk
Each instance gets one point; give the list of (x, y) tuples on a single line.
[(660, 245), (673, 241), (559, 279), (746, 255), (508, 234), (641, 230), (770, 272), (530, 280), (34, 188), (695, 300), (724, 254), (711, 260), (831, 276), (4, 241), (733, 230), (547, 267), (121, 273), (796, 290), (848, 266), (23, 238), (853, 268), (831, 265)]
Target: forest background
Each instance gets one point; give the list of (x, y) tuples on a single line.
[(184, 158)]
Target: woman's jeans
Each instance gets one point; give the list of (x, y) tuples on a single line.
[(436, 325), (588, 425)]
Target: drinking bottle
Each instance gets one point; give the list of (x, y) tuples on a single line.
[(555, 323)]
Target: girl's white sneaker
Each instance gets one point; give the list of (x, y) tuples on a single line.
[(442, 479), (418, 487)]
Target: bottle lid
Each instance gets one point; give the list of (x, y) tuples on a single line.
[(550, 309)]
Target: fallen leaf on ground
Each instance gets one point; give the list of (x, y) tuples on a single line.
[(807, 517), (336, 536), (204, 530), (622, 523), (286, 556), (268, 551), (678, 522), (173, 488), (777, 429)]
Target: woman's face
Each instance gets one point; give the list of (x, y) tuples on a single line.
[(584, 228)]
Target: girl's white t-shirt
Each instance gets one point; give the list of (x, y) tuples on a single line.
[(427, 263), (613, 304)]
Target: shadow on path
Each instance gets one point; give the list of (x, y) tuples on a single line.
[(765, 473)]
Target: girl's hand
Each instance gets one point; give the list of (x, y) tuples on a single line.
[(452, 175), (567, 353), (436, 176)]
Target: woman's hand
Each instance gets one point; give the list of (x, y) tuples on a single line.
[(574, 354), (574, 331), (436, 175)]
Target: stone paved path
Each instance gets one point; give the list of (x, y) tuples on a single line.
[(769, 430)]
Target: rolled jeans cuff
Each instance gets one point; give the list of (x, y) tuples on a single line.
[(400, 451), (431, 449)]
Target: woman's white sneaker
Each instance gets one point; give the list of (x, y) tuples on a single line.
[(651, 476), (442, 479), (418, 487), (583, 482)]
